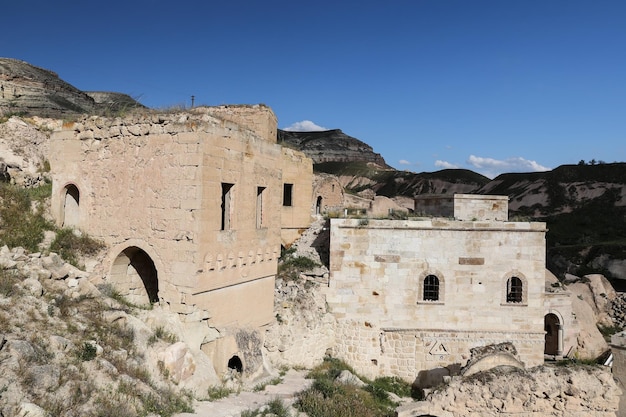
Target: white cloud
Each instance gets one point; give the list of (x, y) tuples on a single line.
[(404, 162), (493, 167), (445, 164), (304, 126)]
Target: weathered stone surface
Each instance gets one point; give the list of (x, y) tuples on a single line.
[(557, 391), (32, 90)]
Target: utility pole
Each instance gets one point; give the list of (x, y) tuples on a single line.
[(193, 98)]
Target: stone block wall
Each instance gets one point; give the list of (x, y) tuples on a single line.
[(464, 206), (297, 173), (376, 291), (328, 194), (197, 195)]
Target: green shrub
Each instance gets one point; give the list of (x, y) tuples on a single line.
[(88, 352), (330, 398), (393, 384), (166, 402), (218, 391), (290, 267), (19, 224), (69, 246), (40, 193), (8, 281)]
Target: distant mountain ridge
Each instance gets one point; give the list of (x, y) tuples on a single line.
[(30, 90)]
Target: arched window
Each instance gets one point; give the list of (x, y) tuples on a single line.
[(431, 288), (514, 290)]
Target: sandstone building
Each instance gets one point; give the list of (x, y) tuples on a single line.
[(412, 297), (193, 207)]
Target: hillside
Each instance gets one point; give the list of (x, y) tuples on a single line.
[(29, 90), (330, 146)]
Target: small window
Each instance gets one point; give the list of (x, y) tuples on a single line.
[(259, 207), (514, 290), (287, 195), (227, 196), (431, 288)]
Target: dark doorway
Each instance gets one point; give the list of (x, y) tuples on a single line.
[(552, 326), (318, 205), (235, 364)]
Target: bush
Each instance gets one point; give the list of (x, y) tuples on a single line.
[(19, 225), (329, 398), (69, 246), (88, 352)]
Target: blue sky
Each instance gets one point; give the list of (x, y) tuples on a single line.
[(491, 86)]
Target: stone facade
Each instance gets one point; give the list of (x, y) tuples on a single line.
[(328, 195), (191, 207), (463, 206), (413, 296)]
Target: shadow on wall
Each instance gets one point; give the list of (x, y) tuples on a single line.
[(321, 244), (431, 378), (132, 266)]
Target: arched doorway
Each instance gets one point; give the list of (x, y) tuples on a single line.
[(554, 335), (318, 205), (71, 203), (134, 275)]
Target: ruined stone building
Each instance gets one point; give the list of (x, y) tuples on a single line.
[(412, 297), (193, 206)]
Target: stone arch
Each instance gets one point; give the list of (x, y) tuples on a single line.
[(135, 276), (70, 212), (553, 326)]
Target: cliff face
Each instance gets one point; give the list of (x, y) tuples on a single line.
[(27, 89), (330, 146)]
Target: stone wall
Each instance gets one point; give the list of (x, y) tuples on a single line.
[(463, 206), (376, 291), (189, 203), (328, 194), (297, 172)]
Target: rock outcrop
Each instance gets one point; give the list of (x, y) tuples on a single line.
[(572, 391), (331, 146), (27, 89)]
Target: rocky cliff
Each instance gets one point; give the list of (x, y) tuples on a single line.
[(331, 146), (30, 90)]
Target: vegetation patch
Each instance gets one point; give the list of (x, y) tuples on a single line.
[(328, 397), (290, 267), (19, 224), (70, 246)]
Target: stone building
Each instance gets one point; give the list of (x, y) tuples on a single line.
[(328, 194), (412, 297), (193, 207)]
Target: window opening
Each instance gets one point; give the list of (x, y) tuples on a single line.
[(431, 288), (287, 195), (227, 191), (514, 290), (71, 206), (259, 206)]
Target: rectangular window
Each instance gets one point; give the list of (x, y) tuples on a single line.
[(259, 207), (287, 195), (227, 197)]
